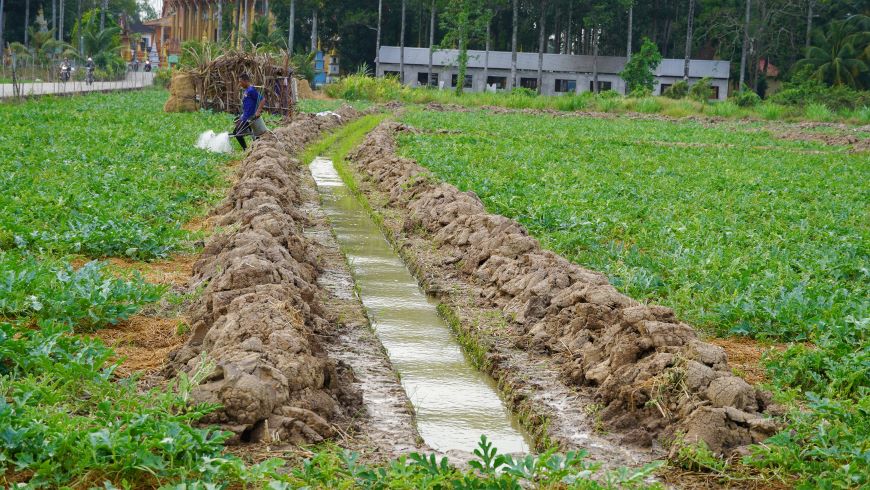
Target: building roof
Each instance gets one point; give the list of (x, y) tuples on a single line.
[(501, 60)]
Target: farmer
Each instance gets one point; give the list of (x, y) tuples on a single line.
[(252, 106)]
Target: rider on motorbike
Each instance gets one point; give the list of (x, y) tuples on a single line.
[(90, 66), (65, 70)]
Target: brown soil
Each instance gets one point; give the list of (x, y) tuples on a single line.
[(174, 271), (652, 376), (143, 343), (262, 320), (745, 356)]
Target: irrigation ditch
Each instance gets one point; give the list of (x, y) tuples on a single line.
[(314, 272)]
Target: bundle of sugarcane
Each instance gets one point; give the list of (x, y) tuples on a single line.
[(218, 81)]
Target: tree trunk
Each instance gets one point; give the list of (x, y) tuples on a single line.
[(314, 30), (569, 41), (60, 12), (266, 8), (81, 38), (745, 48), (463, 50), (689, 26), (2, 6), (103, 14), (220, 21), (402, 46), (27, 21), (595, 36), (431, 41), (378, 40), (513, 80), (54, 16), (486, 55), (541, 33), (810, 5), (292, 28), (557, 32), (630, 26)]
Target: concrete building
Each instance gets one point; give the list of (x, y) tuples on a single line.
[(562, 73)]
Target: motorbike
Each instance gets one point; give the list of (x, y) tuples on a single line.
[(90, 78), (147, 66), (65, 72)]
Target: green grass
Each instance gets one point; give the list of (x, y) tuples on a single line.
[(739, 232), (104, 175)]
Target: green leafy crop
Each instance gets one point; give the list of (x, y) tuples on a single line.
[(104, 175)]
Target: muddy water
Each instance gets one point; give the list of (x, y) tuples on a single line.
[(454, 402)]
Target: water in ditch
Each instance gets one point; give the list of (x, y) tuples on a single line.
[(454, 402)]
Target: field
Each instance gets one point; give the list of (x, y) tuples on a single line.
[(741, 232), (747, 229)]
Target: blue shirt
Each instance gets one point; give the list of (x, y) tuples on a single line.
[(249, 102)]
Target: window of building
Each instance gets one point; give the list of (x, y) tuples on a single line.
[(423, 78), (715, 91), (563, 86), (602, 86), (392, 74), (664, 87), (468, 80), (499, 82), (529, 83)]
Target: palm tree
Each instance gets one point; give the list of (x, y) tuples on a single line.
[(378, 40), (839, 56), (745, 48), (263, 37), (292, 29)]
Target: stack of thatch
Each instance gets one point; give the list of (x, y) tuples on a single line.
[(217, 83), (182, 93)]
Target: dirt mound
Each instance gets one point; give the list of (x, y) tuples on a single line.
[(258, 320), (655, 378)]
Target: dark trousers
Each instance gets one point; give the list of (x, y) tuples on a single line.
[(241, 128)]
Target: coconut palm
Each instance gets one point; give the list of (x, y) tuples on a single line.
[(264, 37), (840, 54)]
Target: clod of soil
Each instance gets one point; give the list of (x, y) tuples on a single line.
[(258, 320), (654, 376)]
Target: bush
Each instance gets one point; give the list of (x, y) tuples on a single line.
[(818, 112), (163, 77), (678, 90), (363, 87), (524, 92), (649, 105), (607, 104), (771, 111), (803, 90), (724, 109), (746, 98), (862, 115), (702, 90)]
